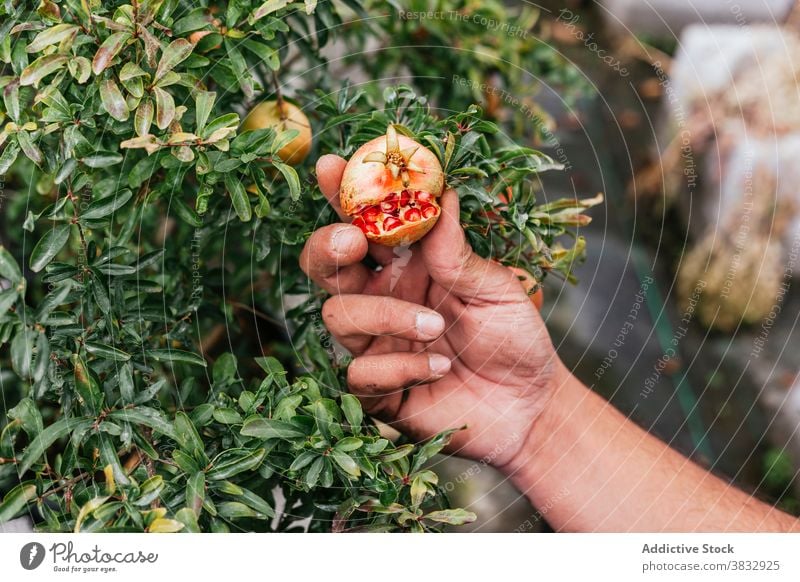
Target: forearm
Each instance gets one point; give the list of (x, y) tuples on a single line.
[(588, 468)]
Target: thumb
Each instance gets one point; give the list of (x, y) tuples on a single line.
[(453, 264)]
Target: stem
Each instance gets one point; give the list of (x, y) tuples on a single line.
[(6, 461), (67, 483), (278, 95)]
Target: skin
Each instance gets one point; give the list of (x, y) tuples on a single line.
[(448, 339)]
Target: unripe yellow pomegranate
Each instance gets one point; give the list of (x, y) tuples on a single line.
[(285, 117)]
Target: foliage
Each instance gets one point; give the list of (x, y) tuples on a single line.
[(144, 231)]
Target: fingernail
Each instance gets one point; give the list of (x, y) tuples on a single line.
[(439, 364), (344, 241), (429, 324)]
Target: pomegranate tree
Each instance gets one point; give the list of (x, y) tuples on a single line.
[(390, 187)]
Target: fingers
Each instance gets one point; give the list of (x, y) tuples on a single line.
[(332, 258), (380, 375), (355, 319), (329, 175), (453, 265)]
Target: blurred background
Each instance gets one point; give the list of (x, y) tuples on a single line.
[(685, 315)]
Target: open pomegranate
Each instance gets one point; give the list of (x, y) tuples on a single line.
[(390, 187)]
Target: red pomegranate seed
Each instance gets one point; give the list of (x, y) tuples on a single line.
[(371, 213), (389, 206), (359, 222), (412, 215), (428, 210), (391, 223), (404, 198)]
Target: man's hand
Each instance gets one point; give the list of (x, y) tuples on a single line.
[(441, 337)]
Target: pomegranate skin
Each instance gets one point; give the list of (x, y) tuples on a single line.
[(365, 184)]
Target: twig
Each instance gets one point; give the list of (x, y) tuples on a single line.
[(256, 312), (67, 483), (278, 96)]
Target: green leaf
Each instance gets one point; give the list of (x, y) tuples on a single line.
[(11, 101), (113, 100), (108, 50), (109, 456), (303, 460), (352, 411), (106, 351), (267, 428), (227, 416), (88, 508), (188, 437), (9, 268), (148, 417), (131, 71), (165, 107), (102, 160), (451, 516), (176, 356), (188, 518), (16, 500), (22, 352), (29, 148), (346, 462), (49, 246), (143, 118), (204, 105), (349, 444), (28, 416), (149, 491), (7, 298), (127, 389), (239, 197), (430, 448), (50, 36), (232, 462), (290, 175), (312, 476), (80, 68), (266, 9), (86, 385), (196, 492), (255, 501), (8, 156), (106, 206), (176, 52), (225, 369), (236, 510), (40, 68), (66, 170), (47, 437)]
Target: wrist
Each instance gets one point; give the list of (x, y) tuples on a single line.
[(545, 436)]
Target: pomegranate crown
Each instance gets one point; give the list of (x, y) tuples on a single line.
[(397, 161)]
